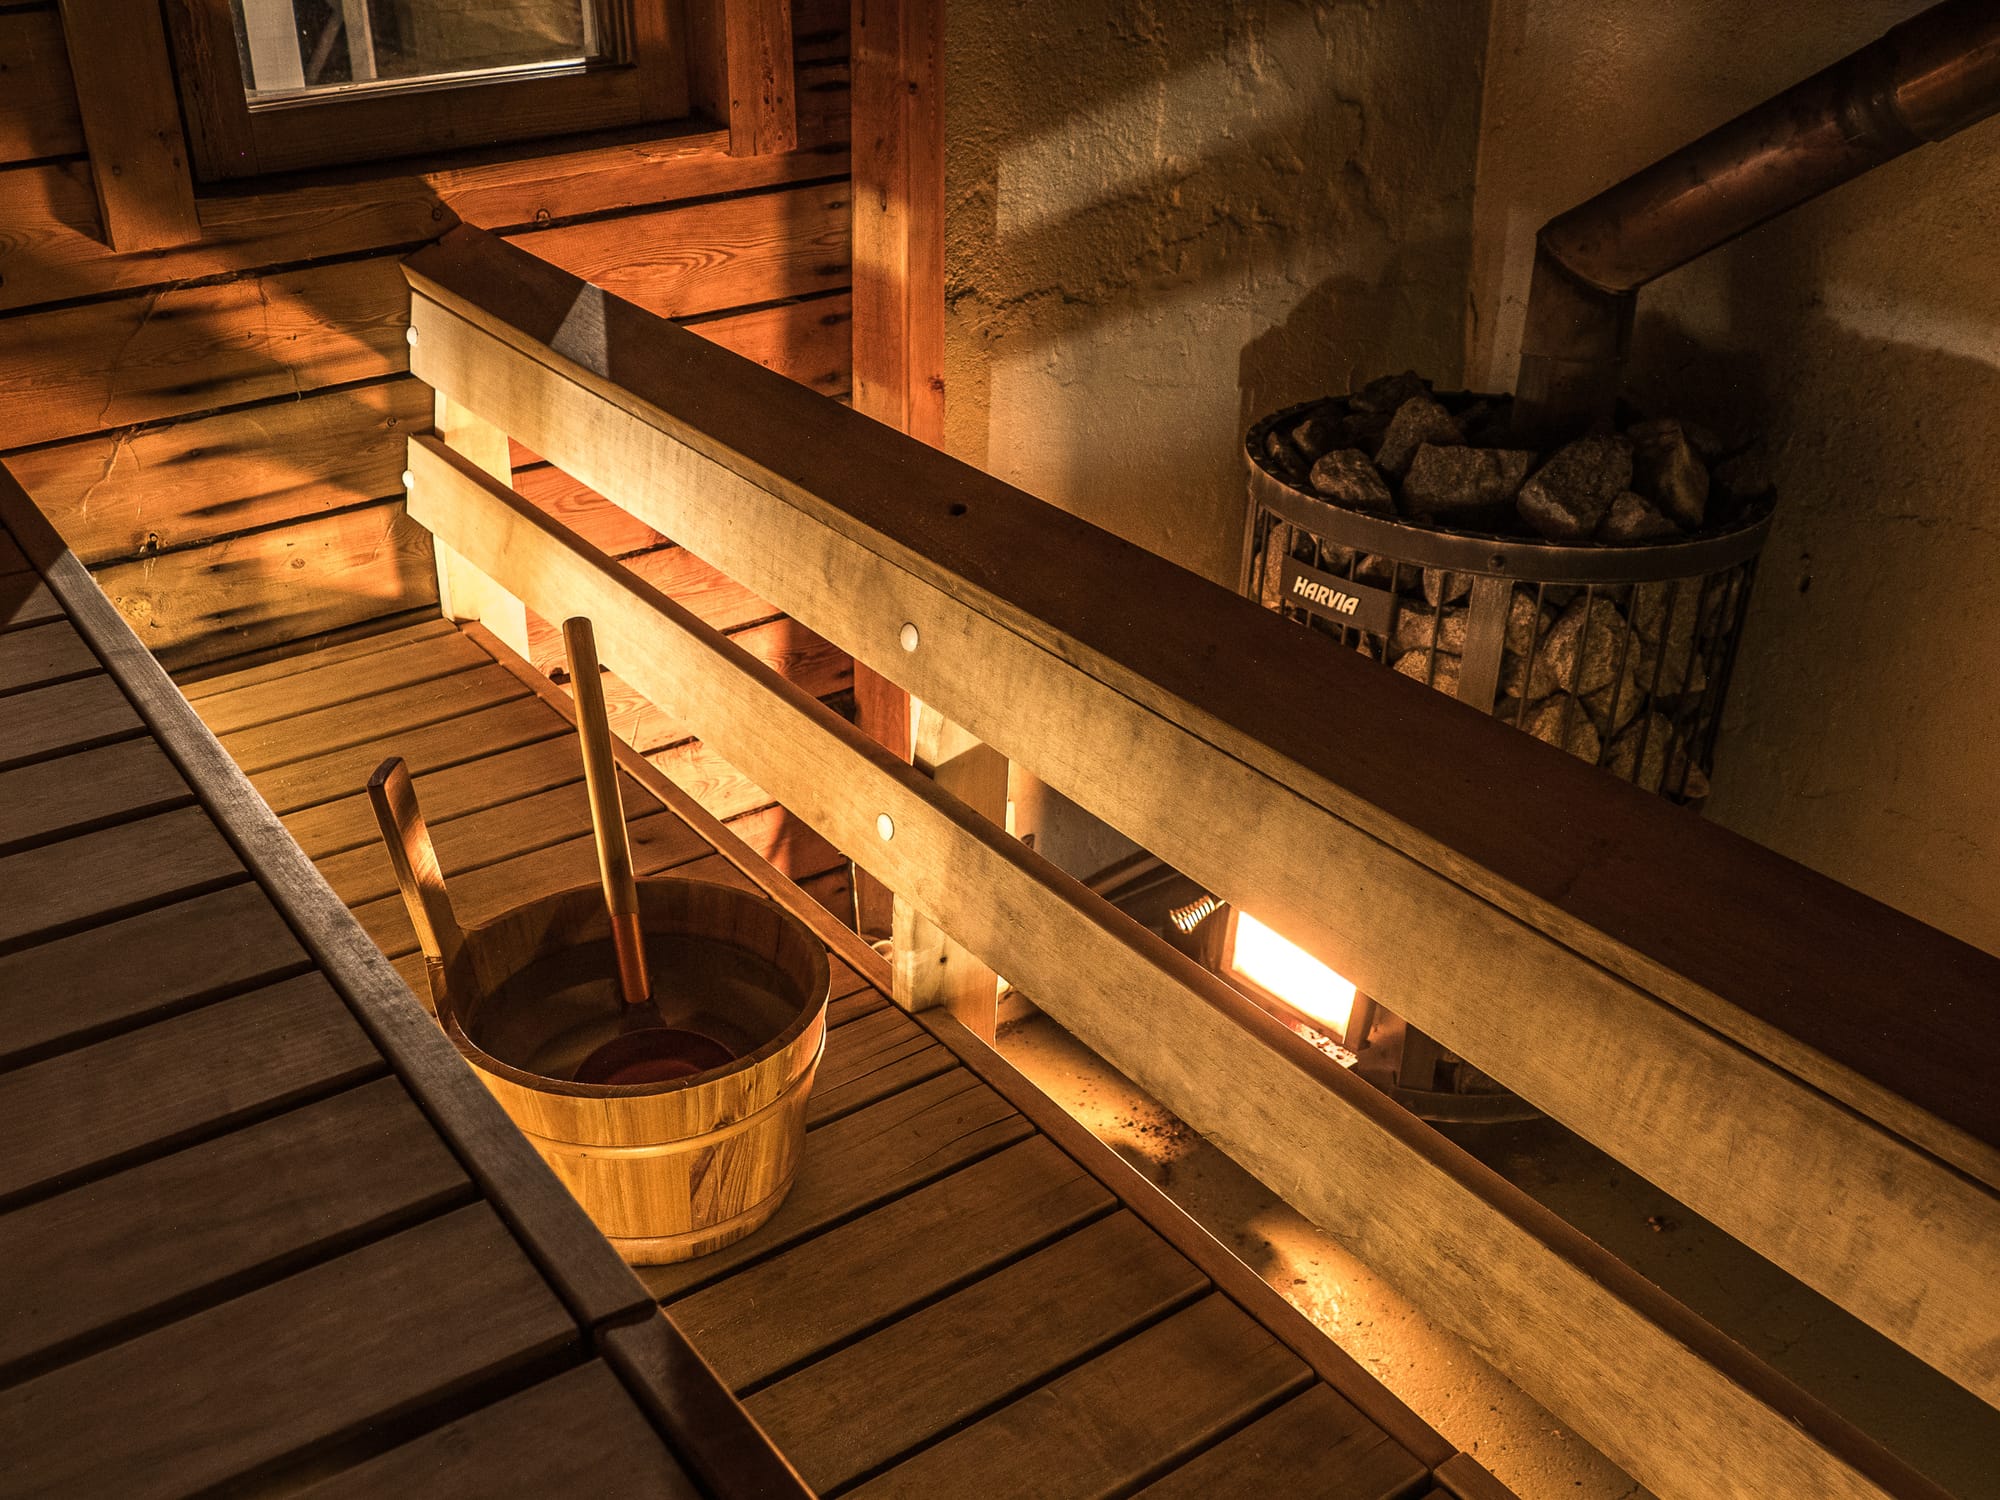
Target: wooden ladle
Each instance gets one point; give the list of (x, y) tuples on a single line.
[(647, 1049)]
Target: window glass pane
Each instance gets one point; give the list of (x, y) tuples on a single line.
[(306, 48)]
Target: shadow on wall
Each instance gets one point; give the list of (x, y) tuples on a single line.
[(1163, 224), (1862, 719)]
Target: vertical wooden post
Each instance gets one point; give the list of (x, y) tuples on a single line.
[(131, 123), (897, 58), (465, 593), (930, 969), (741, 72)]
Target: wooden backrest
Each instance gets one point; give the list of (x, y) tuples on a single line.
[(1769, 1046)]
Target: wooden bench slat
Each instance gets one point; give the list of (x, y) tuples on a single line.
[(870, 1059), (12, 559), (122, 971), (1105, 1425), (335, 774), (43, 653), (818, 1294), (853, 1008), (903, 1142), (68, 715), (659, 843), (143, 862), (110, 1250), (863, 1405), (471, 786), (575, 1434), (359, 1339), (219, 677), (517, 827), (269, 746), (1315, 1444), (192, 1072), (50, 797), (25, 600), (315, 686)]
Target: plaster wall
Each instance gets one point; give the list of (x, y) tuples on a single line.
[(1165, 217), (1861, 334)]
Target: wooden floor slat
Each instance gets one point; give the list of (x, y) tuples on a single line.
[(317, 686), (305, 1359), (11, 558), (43, 653), (473, 786), (850, 1279), (108, 1251), (864, 1405), (68, 715), (364, 720), (142, 966), (231, 679), (334, 774), (1107, 1424), (196, 1071), (49, 798), (1315, 1444), (143, 862), (607, 1449), (854, 1007), (903, 1142)]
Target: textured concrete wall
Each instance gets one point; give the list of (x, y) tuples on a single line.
[(1166, 218), (1862, 334)]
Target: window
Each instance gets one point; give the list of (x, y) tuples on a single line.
[(278, 85)]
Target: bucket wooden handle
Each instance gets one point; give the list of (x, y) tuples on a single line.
[(607, 812), (418, 875)]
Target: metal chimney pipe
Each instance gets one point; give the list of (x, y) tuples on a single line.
[(1924, 80)]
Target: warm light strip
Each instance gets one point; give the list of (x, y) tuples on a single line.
[(1292, 974)]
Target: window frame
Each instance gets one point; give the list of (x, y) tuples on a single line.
[(647, 83)]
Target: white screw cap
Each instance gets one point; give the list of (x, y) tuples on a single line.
[(908, 636), (885, 825)]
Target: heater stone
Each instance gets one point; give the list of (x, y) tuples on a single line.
[(1346, 477), (1417, 421), (1570, 494), (1444, 480)]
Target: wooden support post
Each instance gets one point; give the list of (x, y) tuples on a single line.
[(897, 51), (742, 72), (131, 123), (932, 970), (465, 593)]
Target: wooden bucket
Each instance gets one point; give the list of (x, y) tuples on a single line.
[(668, 1171)]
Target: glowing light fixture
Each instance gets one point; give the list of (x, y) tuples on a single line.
[(1287, 971)]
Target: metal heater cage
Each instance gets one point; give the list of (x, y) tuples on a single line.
[(1620, 654)]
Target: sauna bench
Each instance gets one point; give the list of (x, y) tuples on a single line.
[(273, 1230), (260, 1230)]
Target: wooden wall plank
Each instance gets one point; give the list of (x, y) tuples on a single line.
[(296, 580), (729, 252), (808, 342), (122, 494), (131, 123), (51, 247), (76, 370), (38, 114)]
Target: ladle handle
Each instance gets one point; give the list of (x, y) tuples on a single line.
[(607, 812), (418, 875)]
